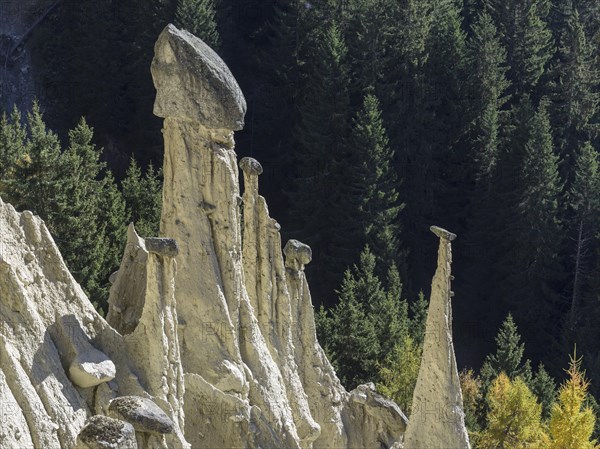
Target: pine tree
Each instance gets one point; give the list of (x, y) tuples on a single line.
[(407, 98), (524, 30), (487, 86), (114, 216), (543, 386), (372, 27), (143, 198), (528, 231), (446, 122), (585, 212), (571, 422), (396, 306), (508, 358), (576, 79), (383, 310), (366, 325), (322, 189), (379, 203), (198, 17), (514, 419), (353, 340), (75, 226), (418, 309), (37, 178), (274, 115), (12, 146)]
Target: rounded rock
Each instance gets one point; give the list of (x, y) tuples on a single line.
[(193, 83), (298, 251), (102, 432), (162, 246), (251, 166), (142, 413)]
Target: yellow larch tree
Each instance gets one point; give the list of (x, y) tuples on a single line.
[(514, 419), (571, 421)]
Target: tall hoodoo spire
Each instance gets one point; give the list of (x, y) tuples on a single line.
[(437, 418)]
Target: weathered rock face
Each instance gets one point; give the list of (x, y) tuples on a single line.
[(61, 362), (204, 90), (437, 419), (263, 371), (142, 308), (210, 337)]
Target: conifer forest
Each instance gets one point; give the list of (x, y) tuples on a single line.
[(373, 119)]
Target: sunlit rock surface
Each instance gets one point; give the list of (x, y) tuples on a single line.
[(210, 340), (437, 419)]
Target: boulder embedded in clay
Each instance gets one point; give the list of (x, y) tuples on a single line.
[(297, 255), (91, 368), (102, 432), (162, 246), (142, 413), (251, 166), (193, 82)]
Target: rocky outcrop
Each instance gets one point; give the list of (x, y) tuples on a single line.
[(44, 314), (210, 336), (437, 419), (102, 432), (61, 362), (265, 369), (143, 414), (142, 308), (202, 91)]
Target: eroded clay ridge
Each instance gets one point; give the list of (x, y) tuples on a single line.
[(210, 339), (437, 417)]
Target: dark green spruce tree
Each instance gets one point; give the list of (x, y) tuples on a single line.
[(524, 30), (352, 338), (368, 321), (405, 94), (37, 178), (320, 147), (198, 17), (487, 87), (379, 200), (13, 137), (76, 228), (418, 318), (280, 84), (544, 387), (143, 198), (370, 29), (584, 201), (528, 230), (113, 214), (445, 123), (507, 359), (574, 86)]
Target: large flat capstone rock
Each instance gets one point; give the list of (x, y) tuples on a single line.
[(142, 413), (102, 432), (193, 82)]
